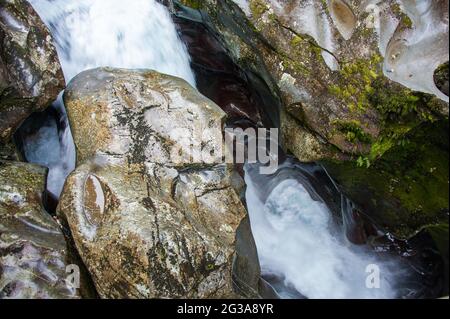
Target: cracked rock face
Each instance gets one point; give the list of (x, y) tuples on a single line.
[(33, 251), (30, 73), (146, 226)]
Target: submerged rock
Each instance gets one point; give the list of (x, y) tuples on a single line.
[(30, 73), (33, 251), (145, 225)]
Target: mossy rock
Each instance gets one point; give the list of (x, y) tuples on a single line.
[(408, 187)]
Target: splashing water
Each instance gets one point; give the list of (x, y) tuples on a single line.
[(46, 139), (116, 33), (93, 33), (299, 242)]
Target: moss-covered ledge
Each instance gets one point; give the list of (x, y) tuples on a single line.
[(408, 187)]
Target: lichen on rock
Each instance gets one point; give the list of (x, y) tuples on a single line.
[(147, 226)]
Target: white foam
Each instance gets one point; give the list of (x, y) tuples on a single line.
[(94, 33), (115, 33), (298, 241)]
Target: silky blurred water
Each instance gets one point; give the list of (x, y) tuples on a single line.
[(115, 33), (134, 34), (300, 243)]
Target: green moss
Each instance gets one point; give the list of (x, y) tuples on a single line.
[(194, 4), (395, 103), (406, 188), (258, 8), (353, 131), (362, 86), (355, 82), (404, 19), (401, 110)]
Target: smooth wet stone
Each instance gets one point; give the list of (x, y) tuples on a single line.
[(343, 17), (33, 251), (413, 54), (30, 73), (326, 60), (145, 226), (222, 80)]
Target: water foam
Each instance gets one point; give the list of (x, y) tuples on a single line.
[(92, 33), (298, 241), (126, 34)]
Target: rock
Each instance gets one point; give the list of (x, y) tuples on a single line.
[(30, 73), (33, 251), (8, 152), (441, 77), (406, 189), (343, 17), (303, 143), (330, 61), (340, 69), (169, 226), (241, 96)]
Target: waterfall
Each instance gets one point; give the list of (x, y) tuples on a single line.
[(93, 33), (302, 246), (125, 34), (45, 139)]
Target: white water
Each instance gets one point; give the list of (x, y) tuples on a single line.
[(52, 148), (298, 241), (94, 33), (116, 33)]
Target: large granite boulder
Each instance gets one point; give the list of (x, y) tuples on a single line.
[(146, 225), (30, 73), (33, 251)]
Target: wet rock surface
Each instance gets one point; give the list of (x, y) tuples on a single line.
[(339, 68), (406, 189), (331, 61), (339, 102), (33, 251), (144, 225), (30, 73), (223, 81)]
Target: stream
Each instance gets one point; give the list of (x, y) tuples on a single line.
[(312, 242)]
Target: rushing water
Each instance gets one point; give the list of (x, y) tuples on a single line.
[(303, 243), (299, 241), (94, 33), (45, 139), (303, 246), (116, 33)]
